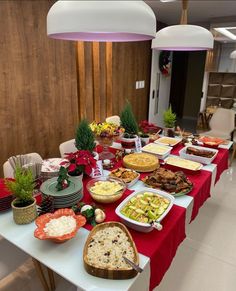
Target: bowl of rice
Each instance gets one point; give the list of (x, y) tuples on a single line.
[(106, 189), (59, 226)]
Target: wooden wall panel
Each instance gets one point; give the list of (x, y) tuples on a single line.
[(38, 88), (131, 63), (111, 70), (95, 80)]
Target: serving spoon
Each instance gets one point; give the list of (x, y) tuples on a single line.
[(133, 265)]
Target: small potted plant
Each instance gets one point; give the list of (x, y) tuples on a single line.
[(79, 162), (144, 138), (169, 119), (84, 139), (24, 205), (129, 123)]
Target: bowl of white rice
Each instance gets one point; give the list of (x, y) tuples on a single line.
[(106, 246), (59, 226)]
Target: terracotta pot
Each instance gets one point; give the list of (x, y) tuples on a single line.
[(24, 215)]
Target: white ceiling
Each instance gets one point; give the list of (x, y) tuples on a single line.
[(199, 11)]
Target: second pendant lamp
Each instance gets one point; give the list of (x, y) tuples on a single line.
[(183, 37)]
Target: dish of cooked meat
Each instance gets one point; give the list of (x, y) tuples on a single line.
[(173, 182), (198, 152)]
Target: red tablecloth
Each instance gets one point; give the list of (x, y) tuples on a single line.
[(221, 160), (159, 246)]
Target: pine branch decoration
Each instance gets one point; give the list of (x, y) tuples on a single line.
[(47, 205), (84, 139)]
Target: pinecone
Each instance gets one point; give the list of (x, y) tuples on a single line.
[(47, 205)]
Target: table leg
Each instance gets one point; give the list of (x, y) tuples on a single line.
[(233, 154), (40, 273), (51, 279)]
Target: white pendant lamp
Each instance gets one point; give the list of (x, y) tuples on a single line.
[(101, 21), (233, 55), (183, 37)]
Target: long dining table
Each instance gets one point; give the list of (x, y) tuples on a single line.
[(156, 249)]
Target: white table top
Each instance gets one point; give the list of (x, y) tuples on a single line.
[(67, 259)]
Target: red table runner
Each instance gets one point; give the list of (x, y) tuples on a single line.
[(159, 246), (221, 160)]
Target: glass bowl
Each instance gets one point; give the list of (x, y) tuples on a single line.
[(106, 189)]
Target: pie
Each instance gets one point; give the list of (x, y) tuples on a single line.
[(141, 162)]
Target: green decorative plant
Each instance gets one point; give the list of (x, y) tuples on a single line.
[(85, 139), (22, 188), (128, 121), (169, 118)]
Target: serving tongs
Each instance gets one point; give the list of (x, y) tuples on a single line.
[(133, 265)]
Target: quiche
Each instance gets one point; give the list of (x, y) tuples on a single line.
[(141, 162)]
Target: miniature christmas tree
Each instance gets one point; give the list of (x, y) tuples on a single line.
[(63, 179), (128, 120), (84, 139)]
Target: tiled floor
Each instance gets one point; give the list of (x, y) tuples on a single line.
[(205, 261)]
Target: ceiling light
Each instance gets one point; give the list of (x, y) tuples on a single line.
[(101, 21), (233, 55), (183, 37), (225, 31)]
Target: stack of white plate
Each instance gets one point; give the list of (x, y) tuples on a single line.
[(50, 168), (64, 198)]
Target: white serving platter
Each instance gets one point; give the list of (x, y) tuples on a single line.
[(150, 149), (140, 226), (175, 140), (202, 160)]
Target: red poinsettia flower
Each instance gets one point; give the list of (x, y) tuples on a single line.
[(79, 162)]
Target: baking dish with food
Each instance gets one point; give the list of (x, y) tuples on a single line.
[(145, 226), (198, 158)]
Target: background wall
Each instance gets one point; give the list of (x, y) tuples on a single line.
[(225, 63), (48, 85), (38, 87), (107, 75)]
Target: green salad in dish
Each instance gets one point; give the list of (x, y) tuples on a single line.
[(146, 207)]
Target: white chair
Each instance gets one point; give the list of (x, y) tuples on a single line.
[(8, 171), (221, 124), (67, 147), (114, 119)]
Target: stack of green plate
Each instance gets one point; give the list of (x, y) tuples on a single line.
[(64, 198)]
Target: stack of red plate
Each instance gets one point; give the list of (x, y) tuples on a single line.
[(5, 196)]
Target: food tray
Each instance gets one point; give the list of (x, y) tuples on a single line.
[(175, 166), (131, 183), (140, 226), (202, 160), (146, 149), (110, 273), (178, 194), (175, 140)]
